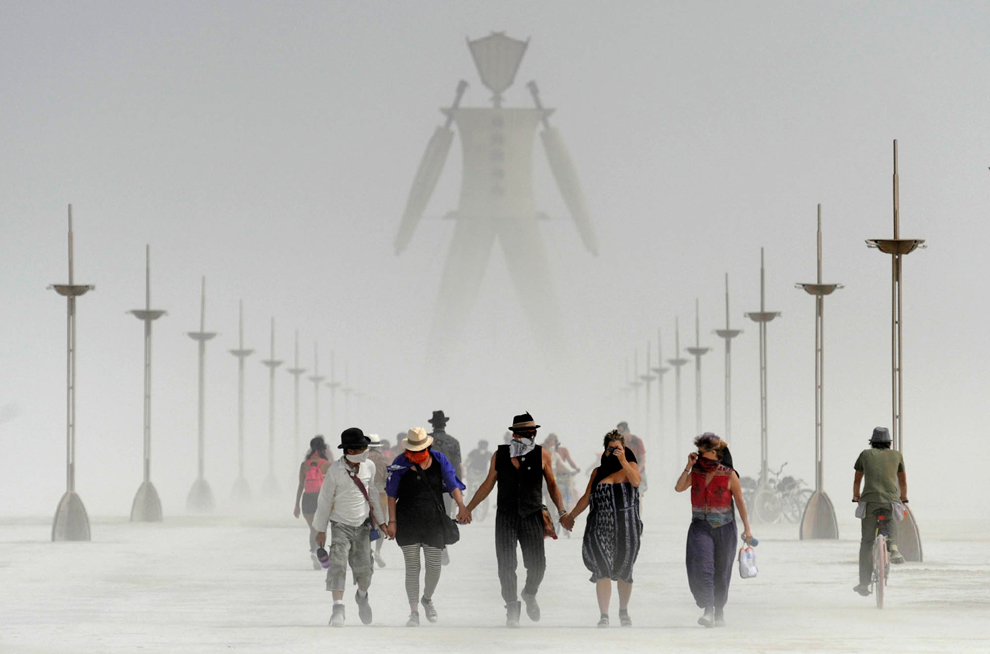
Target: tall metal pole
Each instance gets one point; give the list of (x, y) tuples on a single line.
[(346, 390), (634, 384), (242, 490), (678, 362), (819, 515), (333, 385), (660, 371), (147, 507), (71, 520), (316, 378), (909, 538), (648, 379), (270, 486), (697, 352), (200, 496), (762, 318), (296, 372), (728, 334)]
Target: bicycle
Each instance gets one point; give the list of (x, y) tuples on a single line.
[(881, 556)]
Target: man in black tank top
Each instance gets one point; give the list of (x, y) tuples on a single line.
[(519, 469)]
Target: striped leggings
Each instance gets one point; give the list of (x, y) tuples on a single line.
[(411, 555)]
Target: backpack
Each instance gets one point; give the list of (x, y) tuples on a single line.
[(314, 477)]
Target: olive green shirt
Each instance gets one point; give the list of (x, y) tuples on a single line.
[(880, 468)]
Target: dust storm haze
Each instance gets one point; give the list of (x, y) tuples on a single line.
[(271, 148)]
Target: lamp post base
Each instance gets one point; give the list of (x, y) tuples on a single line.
[(909, 539), (818, 522), (241, 492), (200, 498), (147, 507), (71, 521)]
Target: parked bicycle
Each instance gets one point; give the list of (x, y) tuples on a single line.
[(776, 498)]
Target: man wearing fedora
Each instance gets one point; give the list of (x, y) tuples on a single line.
[(350, 504), (519, 469)]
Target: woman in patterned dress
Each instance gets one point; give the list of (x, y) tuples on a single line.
[(613, 528)]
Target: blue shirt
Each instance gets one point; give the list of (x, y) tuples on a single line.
[(401, 464)]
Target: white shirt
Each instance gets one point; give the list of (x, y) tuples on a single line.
[(342, 501)]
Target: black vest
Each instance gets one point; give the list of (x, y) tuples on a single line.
[(520, 490)]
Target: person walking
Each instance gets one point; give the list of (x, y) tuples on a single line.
[(880, 473), (613, 529), (519, 469), (450, 447), (377, 449), (711, 539), (349, 504), (417, 480), (311, 472)]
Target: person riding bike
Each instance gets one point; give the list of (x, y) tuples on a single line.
[(880, 470)]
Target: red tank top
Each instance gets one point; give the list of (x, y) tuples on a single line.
[(712, 501)]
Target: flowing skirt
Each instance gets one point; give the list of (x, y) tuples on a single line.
[(612, 533)]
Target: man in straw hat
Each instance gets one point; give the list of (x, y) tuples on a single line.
[(519, 469), (349, 503)]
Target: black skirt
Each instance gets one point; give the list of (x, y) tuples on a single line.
[(417, 514)]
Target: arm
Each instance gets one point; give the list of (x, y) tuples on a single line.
[(568, 520), (558, 501), (375, 496), (736, 488), (684, 481), (857, 481), (902, 480), (631, 469), (299, 490), (485, 488), (565, 454), (324, 507), (391, 514)]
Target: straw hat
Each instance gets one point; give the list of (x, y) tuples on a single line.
[(376, 441), (416, 440)]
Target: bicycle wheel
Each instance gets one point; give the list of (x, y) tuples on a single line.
[(879, 568), (794, 508), (767, 506)]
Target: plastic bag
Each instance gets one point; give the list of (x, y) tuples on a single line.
[(747, 563)]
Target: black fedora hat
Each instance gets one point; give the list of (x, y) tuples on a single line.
[(523, 422), (438, 418), (352, 437)]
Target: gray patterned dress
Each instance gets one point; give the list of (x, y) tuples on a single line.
[(612, 532)]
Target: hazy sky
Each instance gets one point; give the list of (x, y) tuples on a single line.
[(271, 147)]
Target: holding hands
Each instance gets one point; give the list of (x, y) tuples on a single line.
[(463, 516)]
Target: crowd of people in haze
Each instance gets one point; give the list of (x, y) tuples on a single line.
[(414, 494)]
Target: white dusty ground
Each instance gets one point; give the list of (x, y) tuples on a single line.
[(232, 584)]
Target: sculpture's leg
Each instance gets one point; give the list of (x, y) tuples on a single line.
[(470, 251), (526, 259)]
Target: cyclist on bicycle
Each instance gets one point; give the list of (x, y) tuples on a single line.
[(880, 470), (477, 464)]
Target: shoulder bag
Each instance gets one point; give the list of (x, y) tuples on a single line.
[(451, 534)]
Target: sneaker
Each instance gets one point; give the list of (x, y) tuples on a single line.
[(316, 562), (624, 618), (896, 557), (429, 609), (708, 619), (512, 614), (862, 589), (379, 560), (364, 607), (603, 622), (445, 557), (532, 608), (719, 618), (337, 617), (413, 620)]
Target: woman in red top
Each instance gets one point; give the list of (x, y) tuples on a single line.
[(311, 473), (711, 540)]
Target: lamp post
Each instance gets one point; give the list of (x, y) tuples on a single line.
[(242, 490), (819, 520), (147, 507), (762, 318), (697, 352), (678, 362), (296, 372), (727, 335), (660, 371), (648, 379), (269, 487), (908, 539), (71, 521), (200, 497), (317, 379)]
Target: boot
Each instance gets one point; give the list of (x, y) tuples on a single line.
[(337, 618), (512, 610), (364, 607), (532, 607), (708, 619)]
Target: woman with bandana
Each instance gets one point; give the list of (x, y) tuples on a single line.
[(417, 480), (613, 529), (711, 539)]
